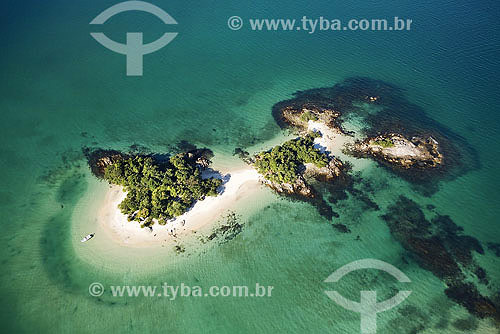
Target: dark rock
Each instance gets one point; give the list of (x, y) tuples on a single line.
[(466, 325), (467, 295), (242, 154), (494, 247), (341, 228), (299, 187), (228, 229), (185, 146), (441, 248), (481, 275), (99, 159)]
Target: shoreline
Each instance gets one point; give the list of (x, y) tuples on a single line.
[(241, 182), (241, 185), (333, 141)]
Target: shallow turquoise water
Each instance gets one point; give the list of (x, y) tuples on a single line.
[(214, 87)]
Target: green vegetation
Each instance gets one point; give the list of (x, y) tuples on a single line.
[(308, 116), (159, 191), (385, 143), (281, 164)]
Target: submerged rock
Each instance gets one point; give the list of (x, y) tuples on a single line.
[(469, 296), (440, 247), (243, 155), (341, 228)]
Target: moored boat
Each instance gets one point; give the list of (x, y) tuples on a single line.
[(88, 237)]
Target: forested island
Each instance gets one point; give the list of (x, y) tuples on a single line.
[(282, 163), (157, 189), (285, 166)]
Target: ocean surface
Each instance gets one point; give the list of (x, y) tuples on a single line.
[(61, 91)]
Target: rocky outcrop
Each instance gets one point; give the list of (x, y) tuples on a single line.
[(299, 115), (328, 173), (393, 149), (203, 162), (99, 159), (381, 107), (299, 187), (200, 156), (400, 151)]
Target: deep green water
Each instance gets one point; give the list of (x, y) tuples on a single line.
[(215, 87)]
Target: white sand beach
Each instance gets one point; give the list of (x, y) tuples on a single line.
[(239, 186), (331, 140)]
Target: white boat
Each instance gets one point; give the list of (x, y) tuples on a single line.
[(88, 237)]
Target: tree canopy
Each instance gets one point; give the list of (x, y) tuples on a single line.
[(281, 164), (159, 191)]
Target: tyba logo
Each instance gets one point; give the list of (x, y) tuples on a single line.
[(134, 49), (368, 306)]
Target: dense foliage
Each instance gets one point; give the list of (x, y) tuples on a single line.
[(157, 191), (385, 143), (308, 116), (282, 163)]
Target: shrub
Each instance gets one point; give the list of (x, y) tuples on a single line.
[(308, 116), (385, 143)]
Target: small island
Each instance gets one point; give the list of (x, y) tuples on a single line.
[(158, 189), (397, 150), (285, 166)]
